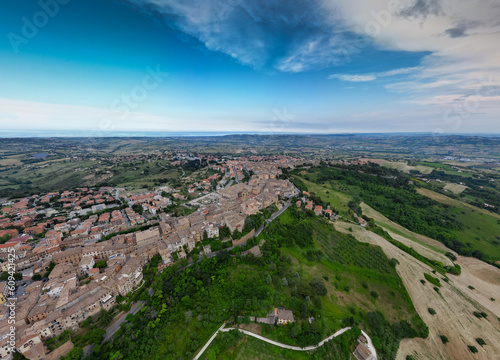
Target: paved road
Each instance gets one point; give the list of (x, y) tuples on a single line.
[(236, 175), (114, 327), (371, 347), (273, 216), (284, 346), (281, 345), (160, 165), (125, 217), (208, 343)]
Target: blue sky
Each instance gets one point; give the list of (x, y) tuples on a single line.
[(318, 66)]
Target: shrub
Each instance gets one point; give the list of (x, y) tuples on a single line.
[(431, 311), (480, 341), (432, 279), (444, 339), (472, 349), (393, 262), (374, 294), (422, 281), (471, 287), (436, 289), (451, 256)]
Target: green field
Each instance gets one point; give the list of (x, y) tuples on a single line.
[(479, 226), (330, 193), (461, 227), (64, 175), (352, 272), (250, 348)]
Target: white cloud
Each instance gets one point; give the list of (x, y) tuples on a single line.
[(374, 76), (289, 36), (30, 115), (455, 62), (353, 78)]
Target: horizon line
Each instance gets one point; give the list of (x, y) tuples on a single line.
[(21, 133)]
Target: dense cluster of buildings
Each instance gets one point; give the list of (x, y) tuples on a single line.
[(75, 289)]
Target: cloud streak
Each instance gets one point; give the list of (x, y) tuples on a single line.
[(373, 76), (288, 36)]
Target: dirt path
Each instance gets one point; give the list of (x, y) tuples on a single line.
[(454, 305)]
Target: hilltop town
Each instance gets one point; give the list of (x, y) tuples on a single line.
[(95, 246), (58, 238)]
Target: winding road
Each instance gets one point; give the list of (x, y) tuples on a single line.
[(284, 346)]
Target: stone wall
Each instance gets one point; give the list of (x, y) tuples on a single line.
[(244, 239), (60, 351)]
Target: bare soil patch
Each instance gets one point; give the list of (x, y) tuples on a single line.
[(252, 327)]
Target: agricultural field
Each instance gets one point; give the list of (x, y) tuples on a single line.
[(358, 277), (431, 248), (454, 304), (331, 194), (455, 188), (461, 227), (62, 175), (404, 167), (479, 226)]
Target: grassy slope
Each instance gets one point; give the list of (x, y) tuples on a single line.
[(250, 348), (340, 264), (338, 269), (480, 226), (399, 230)]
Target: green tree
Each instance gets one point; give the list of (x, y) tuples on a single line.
[(96, 336), (444, 339), (100, 264), (105, 318), (74, 354), (472, 349), (36, 277), (480, 341)]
